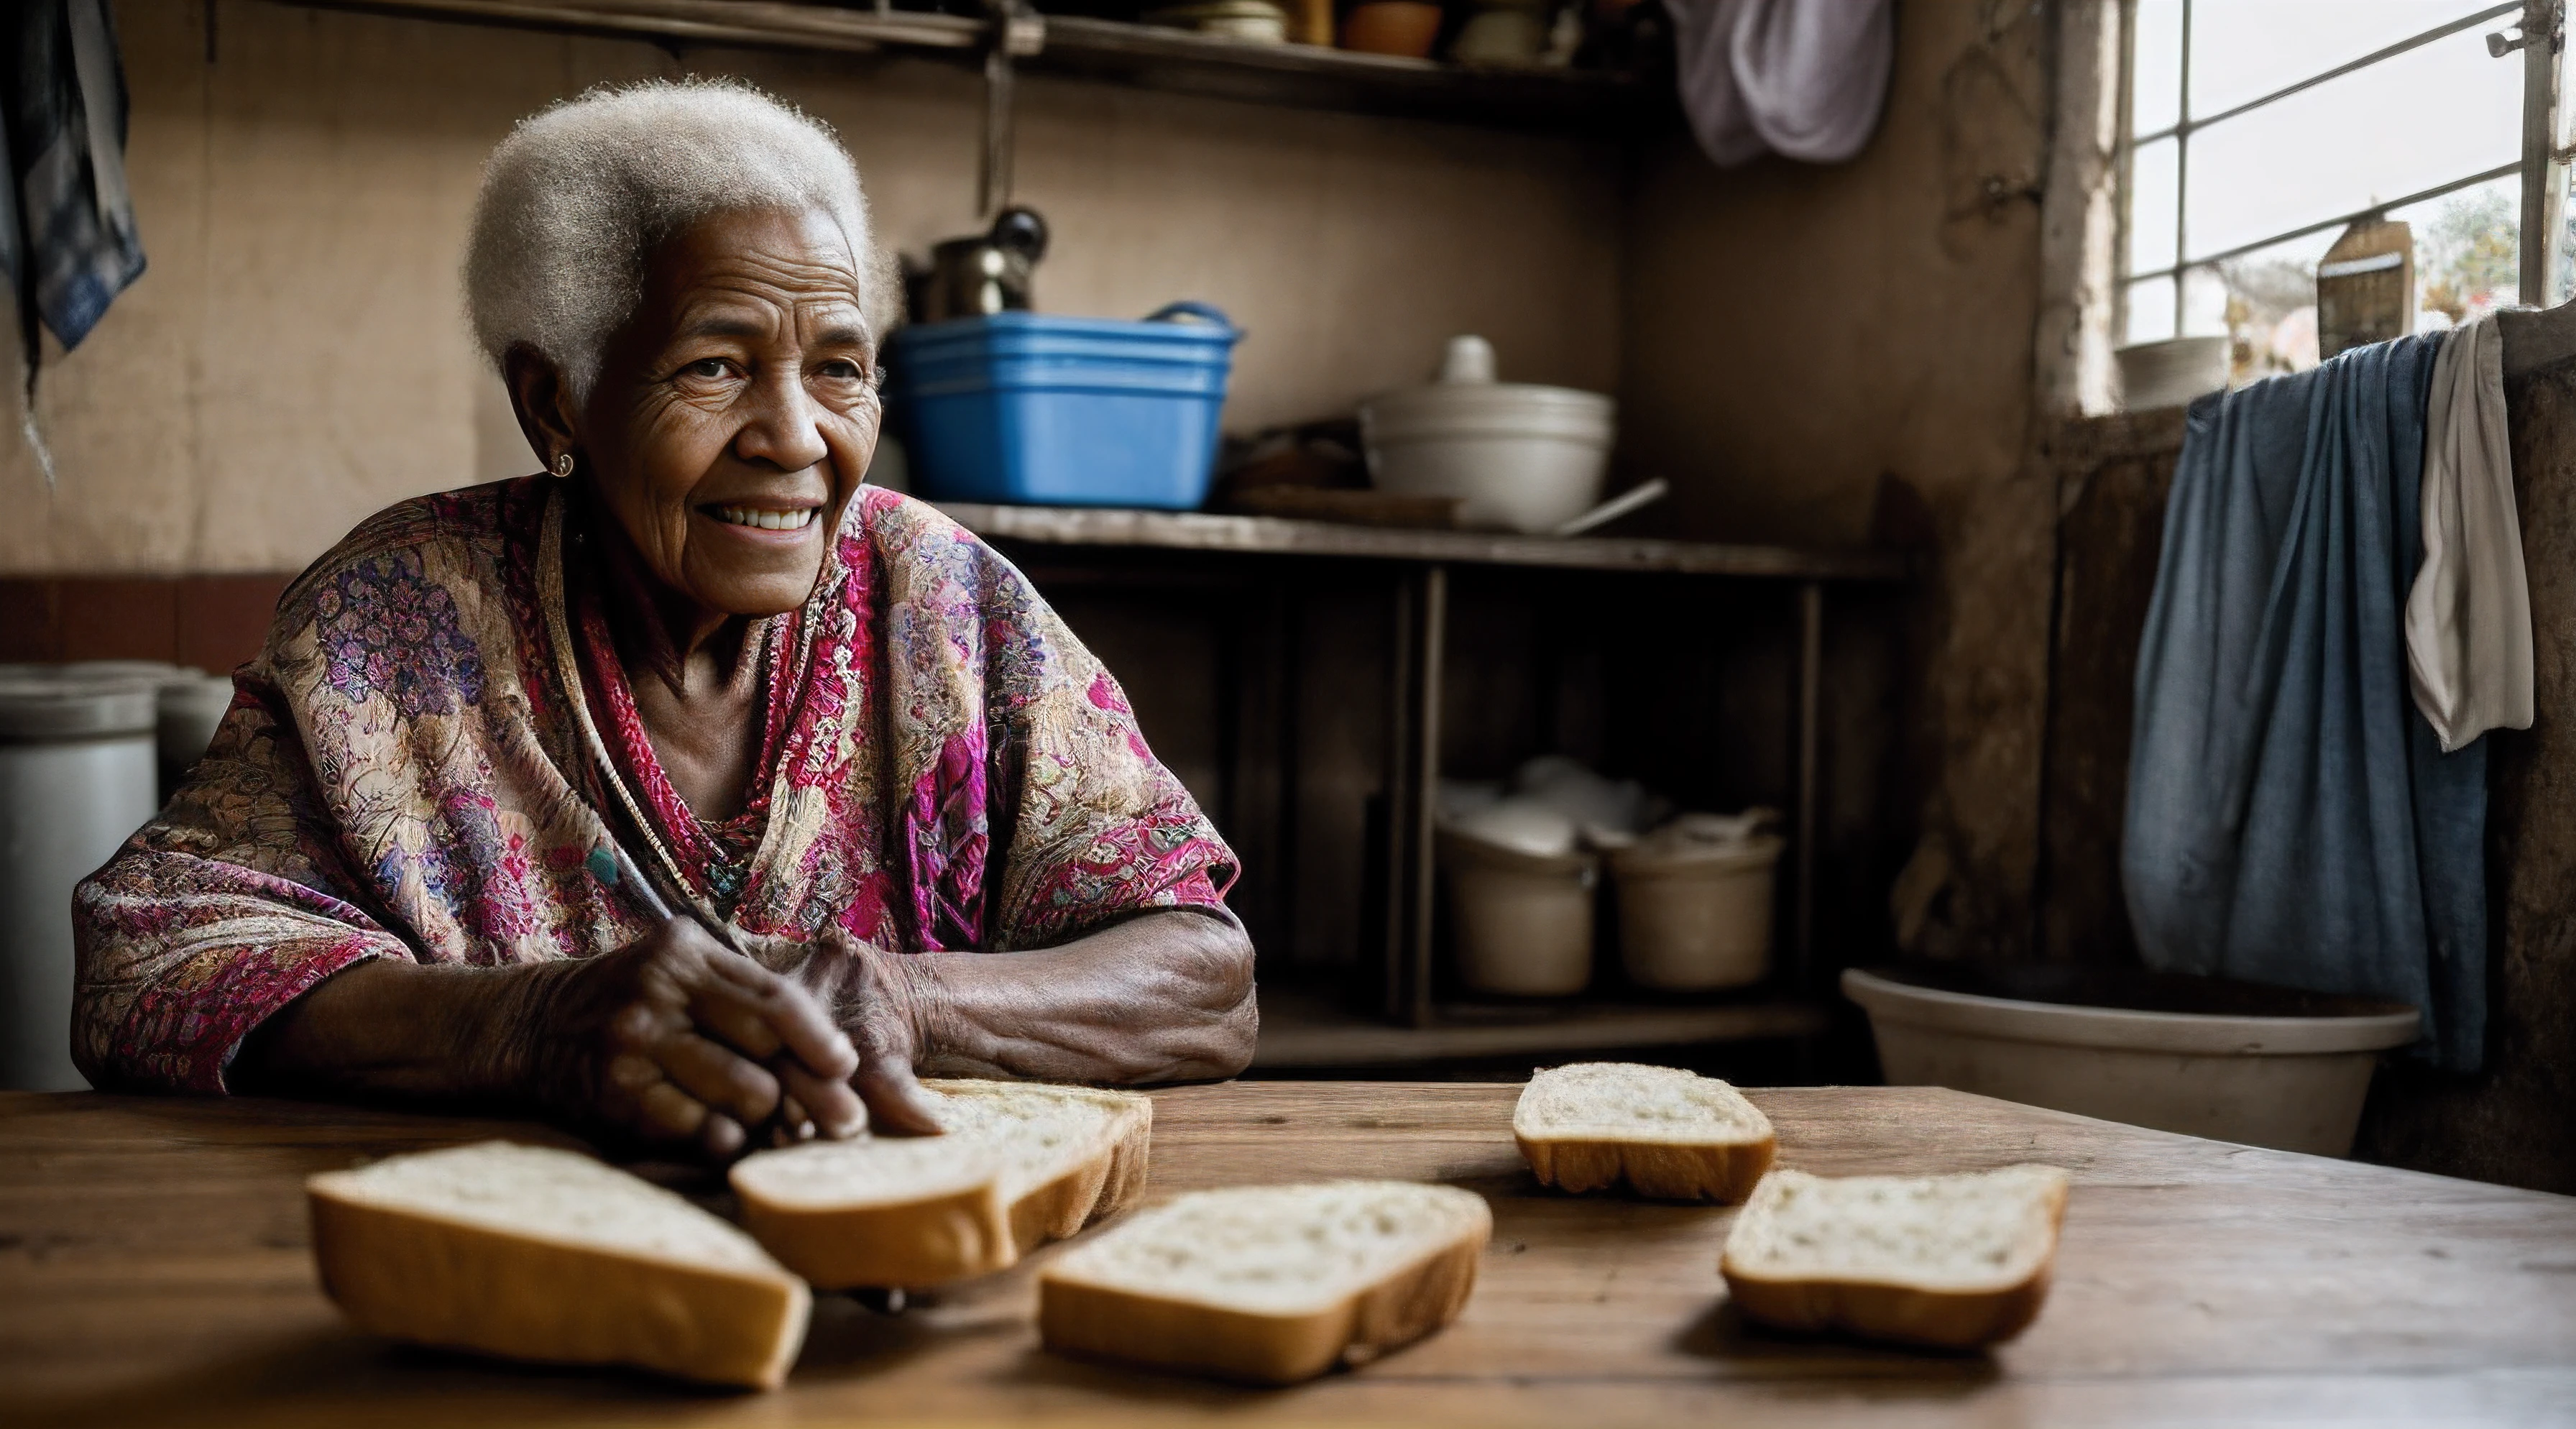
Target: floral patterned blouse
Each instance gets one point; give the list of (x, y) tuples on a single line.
[(404, 773)]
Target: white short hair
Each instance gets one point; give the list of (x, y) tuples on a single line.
[(578, 194)]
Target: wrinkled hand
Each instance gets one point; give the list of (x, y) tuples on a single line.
[(675, 1040), (875, 1005)]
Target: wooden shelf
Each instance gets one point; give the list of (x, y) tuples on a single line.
[(1272, 535), (1313, 77), (1144, 56), (1301, 1032)]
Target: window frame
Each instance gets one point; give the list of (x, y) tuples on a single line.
[(2541, 164)]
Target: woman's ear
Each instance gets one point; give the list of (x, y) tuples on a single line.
[(543, 401)]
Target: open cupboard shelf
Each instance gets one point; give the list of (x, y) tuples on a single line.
[(1409, 1020), (1144, 56)]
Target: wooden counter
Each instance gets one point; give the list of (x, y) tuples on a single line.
[(154, 1270)]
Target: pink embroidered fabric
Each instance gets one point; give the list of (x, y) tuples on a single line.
[(945, 767)]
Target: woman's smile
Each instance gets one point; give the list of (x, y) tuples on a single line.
[(792, 520)]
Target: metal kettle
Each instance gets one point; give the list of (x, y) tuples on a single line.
[(988, 273)]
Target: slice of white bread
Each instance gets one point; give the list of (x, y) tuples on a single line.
[(1270, 1284), (541, 1254), (1019, 1164), (1668, 1133), (1954, 1261)]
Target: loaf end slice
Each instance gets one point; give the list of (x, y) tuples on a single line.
[(1019, 1164), (1665, 1132), (1269, 1284), (1956, 1262), (539, 1254)]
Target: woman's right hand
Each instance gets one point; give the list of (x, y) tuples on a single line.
[(673, 1039)]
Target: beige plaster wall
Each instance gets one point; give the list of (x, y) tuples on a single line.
[(1795, 333), (295, 358)]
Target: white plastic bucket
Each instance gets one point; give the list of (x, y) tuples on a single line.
[(1522, 921), (1695, 919), (76, 780)]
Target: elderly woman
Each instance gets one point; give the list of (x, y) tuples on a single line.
[(906, 817)]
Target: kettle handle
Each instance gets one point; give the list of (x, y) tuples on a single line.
[(1203, 312)]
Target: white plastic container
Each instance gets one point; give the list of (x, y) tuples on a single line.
[(189, 707), (1522, 921), (2293, 1080), (76, 780), (1519, 457), (1696, 917)]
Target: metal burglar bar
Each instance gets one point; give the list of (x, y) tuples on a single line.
[(2540, 23)]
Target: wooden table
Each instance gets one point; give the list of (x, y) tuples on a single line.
[(154, 1270)]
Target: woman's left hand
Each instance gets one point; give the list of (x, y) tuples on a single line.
[(872, 1001)]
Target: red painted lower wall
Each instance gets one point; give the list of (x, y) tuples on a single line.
[(212, 622)]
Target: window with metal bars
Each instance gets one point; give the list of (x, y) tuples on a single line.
[(2254, 131)]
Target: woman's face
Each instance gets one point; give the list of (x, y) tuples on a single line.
[(735, 413)]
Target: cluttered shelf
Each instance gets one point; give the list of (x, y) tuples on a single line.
[(1304, 1031), (1274, 535), (1144, 56)]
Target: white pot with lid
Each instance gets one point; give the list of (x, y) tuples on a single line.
[(1519, 456)]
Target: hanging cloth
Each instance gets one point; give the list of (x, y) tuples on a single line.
[(2292, 819), (67, 236), (2468, 619), (1801, 78)]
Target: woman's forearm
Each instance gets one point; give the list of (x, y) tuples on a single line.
[(1164, 997), (388, 1027)]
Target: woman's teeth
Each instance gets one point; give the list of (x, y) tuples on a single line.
[(796, 520)]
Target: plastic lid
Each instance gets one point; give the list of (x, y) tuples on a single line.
[(96, 699)]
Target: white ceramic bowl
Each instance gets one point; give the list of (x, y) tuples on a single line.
[(1519, 457), (2170, 373), (2293, 1082)]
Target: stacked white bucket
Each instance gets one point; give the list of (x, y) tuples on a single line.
[(83, 747)]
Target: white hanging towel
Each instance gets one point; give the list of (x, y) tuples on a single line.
[(2468, 616), (1802, 78)]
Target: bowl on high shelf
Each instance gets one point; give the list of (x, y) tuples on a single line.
[(2170, 373), (2232, 1061), (1517, 455)]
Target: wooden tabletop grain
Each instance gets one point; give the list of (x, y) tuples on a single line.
[(154, 1269)]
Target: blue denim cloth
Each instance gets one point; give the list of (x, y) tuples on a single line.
[(2292, 819)]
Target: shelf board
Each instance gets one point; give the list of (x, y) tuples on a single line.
[(1275, 535), (1304, 1032), (1143, 56), (1316, 77), (767, 24)]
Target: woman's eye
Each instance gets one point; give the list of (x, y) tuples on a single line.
[(710, 368), (842, 370)]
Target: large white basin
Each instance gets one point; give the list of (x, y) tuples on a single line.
[(2232, 1061)]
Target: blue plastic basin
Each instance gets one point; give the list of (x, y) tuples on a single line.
[(1028, 408)]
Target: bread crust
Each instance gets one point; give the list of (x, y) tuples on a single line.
[(1663, 1171), (1941, 1319), (1083, 1318), (930, 1241), (413, 1275), (959, 1234), (1906, 1314)]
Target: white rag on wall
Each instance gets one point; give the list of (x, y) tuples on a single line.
[(2468, 617), (1803, 78)]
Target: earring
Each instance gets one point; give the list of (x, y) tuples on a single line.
[(563, 465)]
